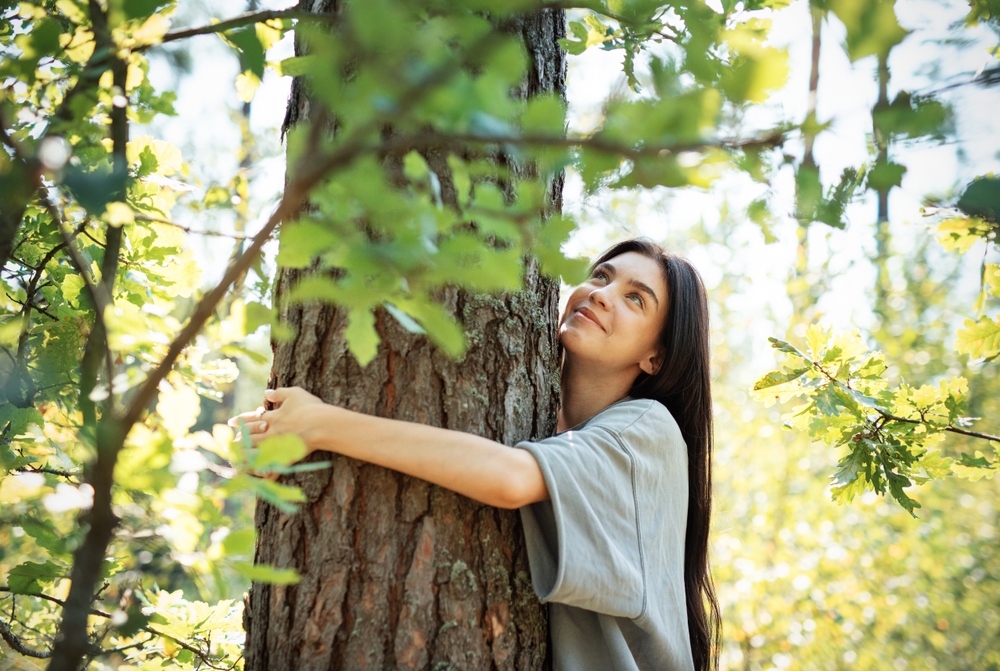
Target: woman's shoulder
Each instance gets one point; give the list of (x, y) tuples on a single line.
[(635, 415)]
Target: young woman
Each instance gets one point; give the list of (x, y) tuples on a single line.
[(616, 505)]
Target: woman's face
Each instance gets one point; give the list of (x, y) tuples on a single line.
[(615, 317)]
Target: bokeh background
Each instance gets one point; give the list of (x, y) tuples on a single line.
[(803, 583)]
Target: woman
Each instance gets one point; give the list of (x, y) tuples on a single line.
[(616, 505)]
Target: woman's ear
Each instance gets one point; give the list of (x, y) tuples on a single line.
[(651, 364)]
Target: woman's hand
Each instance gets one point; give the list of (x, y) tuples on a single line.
[(296, 411)]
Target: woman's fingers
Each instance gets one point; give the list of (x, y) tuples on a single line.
[(247, 417)]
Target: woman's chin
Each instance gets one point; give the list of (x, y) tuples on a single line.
[(583, 345)]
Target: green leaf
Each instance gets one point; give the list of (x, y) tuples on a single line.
[(140, 9), (850, 477), (248, 45), (441, 327), (872, 27), (897, 483), (44, 39), (148, 162), (991, 278), (544, 115), (72, 285), (282, 497), (28, 578), (239, 542), (415, 167), (914, 117), (884, 176), (278, 450), (97, 187), (257, 315), (775, 378), (301, 241), (787, 348), (45, 534), (267, 574), (982, 199), (362, 338), (979, 338), (827, 401), (19, 418), (759, 213), (296, 65), (135, 622)]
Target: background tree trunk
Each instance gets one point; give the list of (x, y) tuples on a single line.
[(396, 573)]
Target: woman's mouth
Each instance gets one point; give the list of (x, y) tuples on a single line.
[(586, 315)]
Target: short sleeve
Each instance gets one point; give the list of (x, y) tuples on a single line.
[(584, 543)]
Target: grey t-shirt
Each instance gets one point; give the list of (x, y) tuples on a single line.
[(607, 551)]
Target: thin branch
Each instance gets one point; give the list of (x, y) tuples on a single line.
[(98, 294), (237, 22), (190, 648), (17, 646), (400, 142), (49, 471), (949, 428), (107, 616), (193, 231), (59, 602), (30, 291)]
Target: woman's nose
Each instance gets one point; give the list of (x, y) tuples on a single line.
[(599, 296)]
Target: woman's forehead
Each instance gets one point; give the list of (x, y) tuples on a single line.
[(638, 266)]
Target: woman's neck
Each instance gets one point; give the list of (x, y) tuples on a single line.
[(586, 391)]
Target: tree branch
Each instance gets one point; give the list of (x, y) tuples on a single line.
[(32, 285), (238, 22), (49, 471), (205, 657), (17, 646), (188, 229), (432, 139), (949, 428)]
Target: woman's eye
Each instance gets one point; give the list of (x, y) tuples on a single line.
[(637, 299)]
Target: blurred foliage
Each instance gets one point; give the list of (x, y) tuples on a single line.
[(438, 173)]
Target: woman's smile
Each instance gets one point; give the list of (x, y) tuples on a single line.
[(587, 315)]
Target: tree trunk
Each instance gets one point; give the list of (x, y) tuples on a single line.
[(397, 573)]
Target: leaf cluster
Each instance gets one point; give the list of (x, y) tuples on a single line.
[(892, 434)]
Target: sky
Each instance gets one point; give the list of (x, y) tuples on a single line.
[(209, 140)]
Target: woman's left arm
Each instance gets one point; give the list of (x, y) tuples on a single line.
[(481, 469)]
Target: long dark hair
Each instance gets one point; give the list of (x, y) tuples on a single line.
[(683, 384)]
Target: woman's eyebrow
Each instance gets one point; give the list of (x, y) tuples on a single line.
[(641, 286), (645, 289)]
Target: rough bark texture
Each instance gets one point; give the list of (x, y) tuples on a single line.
[(396, 573)]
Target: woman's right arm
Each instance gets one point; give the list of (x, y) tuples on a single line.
[(476, 467)]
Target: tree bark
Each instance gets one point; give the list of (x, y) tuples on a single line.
[(397, 573)]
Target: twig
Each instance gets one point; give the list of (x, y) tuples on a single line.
[(57, 601), (15, 643), (402, 142), (17, 646), (949, 428), (237, 22), (30, 291), (48, 471), (98, 294), (193, 231)]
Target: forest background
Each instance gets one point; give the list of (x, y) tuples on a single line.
[(812, 574)]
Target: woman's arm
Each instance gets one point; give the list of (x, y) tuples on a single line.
[(481, 469)]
